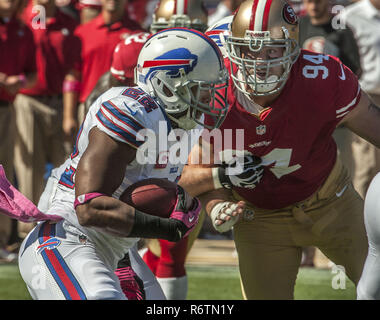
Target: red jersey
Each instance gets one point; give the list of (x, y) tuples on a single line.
[(98, 43), (17, 51), (293, 135), (58, 51)]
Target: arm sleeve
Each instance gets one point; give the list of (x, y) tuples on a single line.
[(347, 90)]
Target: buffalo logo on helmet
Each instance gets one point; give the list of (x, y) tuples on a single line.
[(172, 62), (289, 14)]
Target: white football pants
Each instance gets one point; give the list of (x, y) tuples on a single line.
[(57, 261), (369, 284)]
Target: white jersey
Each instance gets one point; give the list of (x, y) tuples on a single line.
[(128, 115)]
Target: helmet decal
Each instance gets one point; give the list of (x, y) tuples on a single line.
[(289, 15), (214, 34), (172, 61), (183, 69), (260, 15)]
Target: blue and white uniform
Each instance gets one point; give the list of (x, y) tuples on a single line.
[(68, 261)]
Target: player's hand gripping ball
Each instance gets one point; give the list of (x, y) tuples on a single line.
[(165, 199)]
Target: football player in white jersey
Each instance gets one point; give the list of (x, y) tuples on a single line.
[(178, 74)]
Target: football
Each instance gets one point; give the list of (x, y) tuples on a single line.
[(152, 196)]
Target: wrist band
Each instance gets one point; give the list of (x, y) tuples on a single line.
[(22, 79), (215, 178), (153, 227), (83, 198), (71, 86), (220, 178)]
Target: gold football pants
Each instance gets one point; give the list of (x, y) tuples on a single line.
[(269, 245)]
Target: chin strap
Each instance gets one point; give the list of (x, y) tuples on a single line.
[(184, 122)]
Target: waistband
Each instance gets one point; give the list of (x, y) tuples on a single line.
[(336, 182)]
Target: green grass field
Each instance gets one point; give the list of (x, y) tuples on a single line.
[(210, 283)]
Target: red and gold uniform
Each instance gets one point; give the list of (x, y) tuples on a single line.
[(305, 197), (293, 135)]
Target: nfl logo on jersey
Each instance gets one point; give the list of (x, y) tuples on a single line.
[(260, 130)]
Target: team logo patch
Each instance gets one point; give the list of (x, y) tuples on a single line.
[(289, 15), (49, 244), (262, 129), (248, 215), (172, 61)]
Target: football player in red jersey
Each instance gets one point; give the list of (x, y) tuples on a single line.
[(295, 190)]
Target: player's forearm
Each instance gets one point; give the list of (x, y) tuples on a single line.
[(196, 180), (107, 213), (210, 199), (119, 219)]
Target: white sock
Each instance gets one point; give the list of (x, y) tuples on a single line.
[(174, 288)]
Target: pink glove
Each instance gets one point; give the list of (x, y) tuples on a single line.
[(189, 217)]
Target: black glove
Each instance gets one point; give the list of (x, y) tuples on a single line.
[(243, 172)]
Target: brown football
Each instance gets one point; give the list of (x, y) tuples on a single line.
[(152, 196)]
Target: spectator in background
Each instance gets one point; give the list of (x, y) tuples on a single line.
[(121, 73), (363, 17), (319, 32), (17, 70), (39, 136), (141, 11), (225, 8), (99, 38), (88, 10)]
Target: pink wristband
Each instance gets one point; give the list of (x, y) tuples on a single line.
[(83, 198), (71, 86)]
